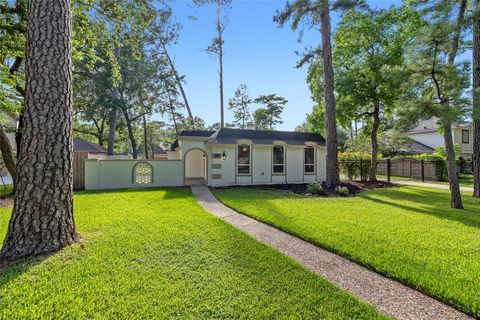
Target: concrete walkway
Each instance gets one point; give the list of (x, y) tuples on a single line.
[(388, 296), (428, 185)]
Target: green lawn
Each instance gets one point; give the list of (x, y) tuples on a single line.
[(408, 233), (6, 191), (465, 180), (156, 254)]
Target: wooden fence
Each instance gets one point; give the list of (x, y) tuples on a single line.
[(409, 168), (79, 170)]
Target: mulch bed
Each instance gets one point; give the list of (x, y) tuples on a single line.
[(354, 187)]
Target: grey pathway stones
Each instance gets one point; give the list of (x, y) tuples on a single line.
[(388, 296)]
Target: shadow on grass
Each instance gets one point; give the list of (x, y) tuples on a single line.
[(434, 202), (170, 192), (11, 270)]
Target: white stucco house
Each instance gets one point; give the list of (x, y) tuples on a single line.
[(223, 158), (426, 133)]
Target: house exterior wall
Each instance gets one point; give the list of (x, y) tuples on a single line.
[(194, 164), (431, 139), (117, 174), (465, 149)]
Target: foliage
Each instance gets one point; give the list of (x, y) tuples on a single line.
[(272, 110), (341, 191), (239, 104), (390, 143), (315, 188), (355, 164), (147, 245), (385, 229)]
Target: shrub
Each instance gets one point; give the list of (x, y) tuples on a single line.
[(355, 164), (441, 171), (315, 188), (342, 191)]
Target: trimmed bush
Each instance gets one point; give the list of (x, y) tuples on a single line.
[(315, 188), (342, 191)]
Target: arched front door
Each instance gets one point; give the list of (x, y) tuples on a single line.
[(195, 167)]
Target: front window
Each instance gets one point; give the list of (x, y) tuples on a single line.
[(243, 160), (465, 136), (309, 160), (278, 160)]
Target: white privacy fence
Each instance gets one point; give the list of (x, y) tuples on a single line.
[(115, 174)]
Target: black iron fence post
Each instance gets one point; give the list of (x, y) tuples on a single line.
[(361, 169), (423, 170), (389, 169)]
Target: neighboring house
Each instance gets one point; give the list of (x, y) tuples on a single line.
[(426, 133), (158, 153), (222, 158), (91, 149)]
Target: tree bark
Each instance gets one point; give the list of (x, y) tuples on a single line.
[(476, 100), (333, 175), (145, 135), (42, 218), (374, 140), (113, 112), (455, 195), (179, 82), (131, 135), (7, 155)]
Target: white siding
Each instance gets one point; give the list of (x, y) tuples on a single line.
[(431, 139), (295, 164)]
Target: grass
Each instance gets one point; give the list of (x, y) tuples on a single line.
[(6, 189), (156, 254), (408, 233)]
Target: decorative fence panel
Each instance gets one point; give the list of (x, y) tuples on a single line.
[(409, 168), (117, 174)]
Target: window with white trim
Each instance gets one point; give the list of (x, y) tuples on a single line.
[(309, 160), (278, 160), (465, 136), (243, 160)]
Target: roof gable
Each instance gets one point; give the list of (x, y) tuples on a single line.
[(82, 145)]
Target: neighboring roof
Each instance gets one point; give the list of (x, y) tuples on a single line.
[(430, 125), (418, 147), (157, 150), (230, 136), (82, 145), (196, 133)]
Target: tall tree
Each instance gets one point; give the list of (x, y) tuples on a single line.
[(273, 106), (476, 98), (216, 46), (239, 104), (369, 50), (437, 83), (314, 13), (42, 219)]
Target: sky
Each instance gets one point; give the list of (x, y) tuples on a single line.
[(257, 53)]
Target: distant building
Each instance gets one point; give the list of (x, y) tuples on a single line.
[(426, 133)]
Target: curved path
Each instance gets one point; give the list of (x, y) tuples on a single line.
[(388, 296)]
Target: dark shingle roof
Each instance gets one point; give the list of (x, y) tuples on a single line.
[(174, 145), (157, 150), (82, 145), (230, 136), (418, 147), (196, 133)]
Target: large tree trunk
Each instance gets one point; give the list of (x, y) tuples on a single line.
[(220, 61), (131, 135), (333, 176), (476, 100), (42, 218), (7, 155), (113, 112), (179, 82), (145, 134), (374, 140), (455, 195)]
